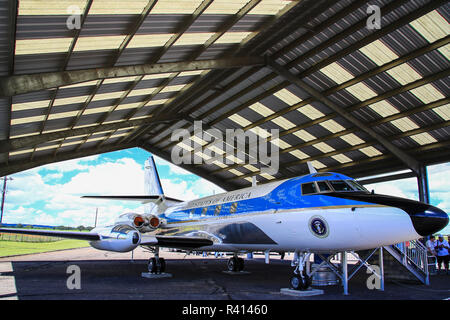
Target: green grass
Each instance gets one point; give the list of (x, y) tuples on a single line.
[(12, 248)]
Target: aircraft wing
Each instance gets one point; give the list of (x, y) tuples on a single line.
[(142, 199), (175, 241), (163, 241), (52, 233)]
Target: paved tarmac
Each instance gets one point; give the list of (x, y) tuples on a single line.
[(106, 276)]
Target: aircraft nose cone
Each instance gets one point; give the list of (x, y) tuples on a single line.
[(429, 221)]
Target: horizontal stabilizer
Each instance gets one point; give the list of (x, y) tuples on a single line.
[(176, 242), (51, 233), (142, 199)]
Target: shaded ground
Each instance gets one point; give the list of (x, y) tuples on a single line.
[(107, 275)]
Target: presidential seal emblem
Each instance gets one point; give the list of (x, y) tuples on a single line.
[(318, 226)]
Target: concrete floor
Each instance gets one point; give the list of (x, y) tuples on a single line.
[(106, 275)]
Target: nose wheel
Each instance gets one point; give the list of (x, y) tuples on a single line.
[(235, 264), (300, 280)]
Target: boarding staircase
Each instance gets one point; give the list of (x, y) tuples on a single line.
[(405, 261), (413, 256)]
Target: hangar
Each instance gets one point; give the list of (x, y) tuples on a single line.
[(83, 77)]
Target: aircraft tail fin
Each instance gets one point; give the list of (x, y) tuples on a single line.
[(152, 182), (154, 199), (311, 167)]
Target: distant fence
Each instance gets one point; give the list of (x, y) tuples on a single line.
[(27, 238)]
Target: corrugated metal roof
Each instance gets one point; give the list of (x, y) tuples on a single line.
[(394, 80)]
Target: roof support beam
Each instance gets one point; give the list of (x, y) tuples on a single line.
[(18, 166), (403, 156), (33, 141), (20, 84), (388, 178)]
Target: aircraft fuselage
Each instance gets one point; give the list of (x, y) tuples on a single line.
[(324, 212)]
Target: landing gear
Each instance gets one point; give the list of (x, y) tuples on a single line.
[(235, 264), (300, 280), (156, 265)]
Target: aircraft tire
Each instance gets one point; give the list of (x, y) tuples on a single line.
[(241, 264), (162, 262), (300, 283), (152, 266), (232, 264)]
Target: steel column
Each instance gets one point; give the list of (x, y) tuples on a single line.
[(344, 272), (381, 265), (422, 182)]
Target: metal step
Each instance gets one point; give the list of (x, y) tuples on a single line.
[(419, 274)]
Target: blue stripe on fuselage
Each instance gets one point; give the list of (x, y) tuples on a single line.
[(286, 196)]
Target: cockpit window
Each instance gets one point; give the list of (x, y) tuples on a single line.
[(323, 186), (356, 186), (340, 185), (330, 186), (309, 188)]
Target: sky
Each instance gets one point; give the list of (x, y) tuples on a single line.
[(51, 194)]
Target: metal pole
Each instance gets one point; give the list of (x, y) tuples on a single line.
[(380, 262), (96, 213), (422, 181), (5, 179), (344, 272)]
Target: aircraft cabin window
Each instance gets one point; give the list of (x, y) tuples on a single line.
[(217, 210), (340, 185), (323, 186), (309, 188), (233, 207)]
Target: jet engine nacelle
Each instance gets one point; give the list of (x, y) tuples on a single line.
[(118, 238), (143, 223)]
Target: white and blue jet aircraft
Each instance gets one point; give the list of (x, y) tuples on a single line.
[(322, 212)]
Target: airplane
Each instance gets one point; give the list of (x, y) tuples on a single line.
[(321, 212)]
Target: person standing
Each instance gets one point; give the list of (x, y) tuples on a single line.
[(431, 254), (441, 249), (430, 244)]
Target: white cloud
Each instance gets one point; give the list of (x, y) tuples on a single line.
[(438, 181), (71, 165), (204, 188), (399, 188), (173, 169), (178, 189), (52, 176), (124, 176), (31, 199)]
